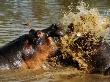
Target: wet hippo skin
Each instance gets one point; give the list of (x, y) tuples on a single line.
[(29, 50)]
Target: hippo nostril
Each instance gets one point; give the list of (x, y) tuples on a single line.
[(38, 41)]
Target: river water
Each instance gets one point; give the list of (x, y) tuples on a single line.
[(15, 14)]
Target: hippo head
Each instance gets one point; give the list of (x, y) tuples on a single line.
[(36, 39), (38, 36), (43, 45)]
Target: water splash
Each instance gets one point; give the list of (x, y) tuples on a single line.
[(85, 30), (86, 20)]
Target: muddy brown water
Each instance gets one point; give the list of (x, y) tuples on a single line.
[(14, 14)]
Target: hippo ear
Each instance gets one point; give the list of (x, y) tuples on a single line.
[(32, 32)]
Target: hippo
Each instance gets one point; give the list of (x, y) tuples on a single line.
[(29, 50)]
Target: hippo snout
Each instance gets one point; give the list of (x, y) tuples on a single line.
[(58, 29), (55, 30)]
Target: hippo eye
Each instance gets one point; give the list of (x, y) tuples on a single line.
[(32, 32), (38, 41)]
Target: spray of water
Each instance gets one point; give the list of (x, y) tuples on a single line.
[(85, 30)]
